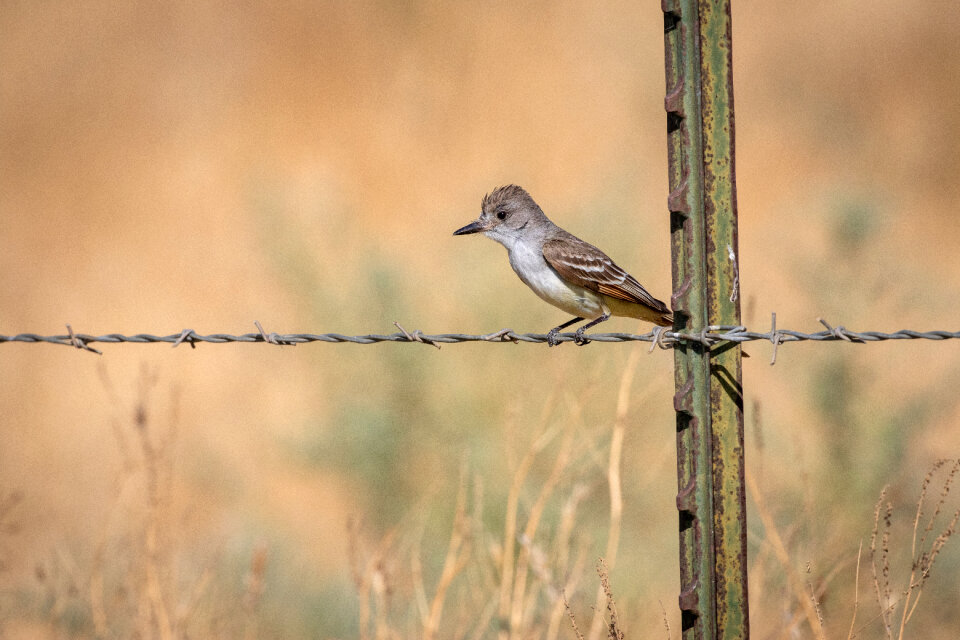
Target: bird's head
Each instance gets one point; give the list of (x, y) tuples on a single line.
[(505, 214)]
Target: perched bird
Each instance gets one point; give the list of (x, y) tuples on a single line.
[(567, 272)]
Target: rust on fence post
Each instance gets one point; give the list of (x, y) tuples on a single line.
[(709, 399)]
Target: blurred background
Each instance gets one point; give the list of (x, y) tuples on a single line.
[(204, 164)]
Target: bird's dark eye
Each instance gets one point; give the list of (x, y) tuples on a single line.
[(501, 215)]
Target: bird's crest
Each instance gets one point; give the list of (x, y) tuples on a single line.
[(503, 194)]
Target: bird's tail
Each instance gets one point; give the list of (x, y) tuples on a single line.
[(665, 320)]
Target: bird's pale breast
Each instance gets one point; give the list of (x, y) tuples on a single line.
[(528, 262)]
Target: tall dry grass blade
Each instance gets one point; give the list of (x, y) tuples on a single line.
[(856, 593), (416, 575), (614, 480), (780, 552), (510, 521), (458, 551), (359, 579), (530, 531), (365, 578), (572, 580), (481, 627), (561, 549)]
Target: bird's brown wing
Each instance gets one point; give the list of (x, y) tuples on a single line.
[(582, 264)]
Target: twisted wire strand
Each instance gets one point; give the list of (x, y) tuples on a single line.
[(710, 337)]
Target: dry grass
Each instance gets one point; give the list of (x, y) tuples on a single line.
[(132, 585), (805, 601), (532, 567), (614, 631), (156, 602), (896, 605), (511, 584), (923, 552), (514, 585), (204, 163)]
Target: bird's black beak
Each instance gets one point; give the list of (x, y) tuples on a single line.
[(473, 227)]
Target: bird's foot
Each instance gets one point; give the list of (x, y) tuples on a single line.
[(579, 339), (553, 337)]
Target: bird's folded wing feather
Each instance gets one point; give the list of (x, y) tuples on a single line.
[(582, 264)]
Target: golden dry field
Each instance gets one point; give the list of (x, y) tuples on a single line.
[(207, 164)]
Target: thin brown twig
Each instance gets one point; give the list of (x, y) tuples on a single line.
[(815, 600), (856, 593), (614, 632), (881, 577), (573, 618), (574, 575), (666, 620)]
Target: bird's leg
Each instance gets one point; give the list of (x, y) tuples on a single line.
[(578, 338), (552, 340)]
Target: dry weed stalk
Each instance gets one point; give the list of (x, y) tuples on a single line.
[(149, 583), (881, 575), (815, 599), (573, 618), (666, 620), (922, 558), (613, 621), (923, 561)]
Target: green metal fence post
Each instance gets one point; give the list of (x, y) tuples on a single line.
[(709, 397)]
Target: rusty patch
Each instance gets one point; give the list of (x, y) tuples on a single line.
[(689, 598)]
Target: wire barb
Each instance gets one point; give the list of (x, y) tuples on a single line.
[(416, 336), (272, 337), (658, 339), (840, 332), (188, 336), (504, 335), (79, 343), (775, 337)]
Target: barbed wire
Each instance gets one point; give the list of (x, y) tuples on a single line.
[(710, 337)]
